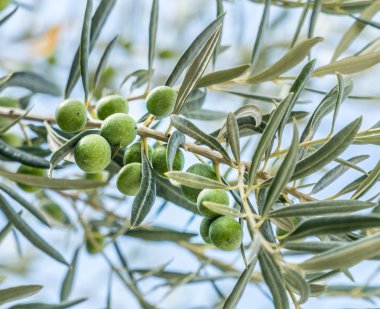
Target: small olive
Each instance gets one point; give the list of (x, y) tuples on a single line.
[(119, 129), (95, 244), (226, 233), (12, 139), (71, 115), (133, 153), (159, 162), (54, 211), (204, 230), (218, 196), (200, 169), (129, 179), (110, 105), (161, 101), (29, 170), (92, 153)]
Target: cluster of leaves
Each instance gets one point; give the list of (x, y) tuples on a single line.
[(338, 232)]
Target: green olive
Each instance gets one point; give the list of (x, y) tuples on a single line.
[(110, 105), (218, 196), (226, 233), (204, 230), (7, 102), (119, 129), (92, 153), (29, 170), (12, 139), (161, 101), (95, 244), (4, 4), (55, 212), (133, 153), (129, 179), (71, 115), (200, 169), (159, 162)]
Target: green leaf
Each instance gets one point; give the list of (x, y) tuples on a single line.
[(156, 233), (4, 232), (195, 181), (349, 65), (9, 15), (67, 148), (320, 208), (298, 284), (328, 152), (223, 210), (144, 199), (193, 50), (63, 305), (141, 76), (98, 20), (152, 34), (222, 76), (367, 22), (238, 290), (176, 140), (30, 81), (333, 225), (21, 156), (301, 21), (15, 293), (314, 17), (267, 137), (84, 49), (29, 234), (312, 246), (344, 256), (103, 61), (273, 278), (252, 95), (51, 183), (24, 203), (293, 57), (189, 129), (283, 175), (335, 173), (233, 136), (68, 281), (195, 71), (204, 114), (368, 183)]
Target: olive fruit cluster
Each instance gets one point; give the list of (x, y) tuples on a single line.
[(221, 231)]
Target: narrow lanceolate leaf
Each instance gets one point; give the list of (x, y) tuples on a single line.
[(293, 57), (233, 136), (238, 290), (193, 50), (367, 22), (15, 121), (274, 279), (356, 28), (52, 183), (68, 147), (152, 34), (4, 232), (339, 100), (334, 225), (29, 234), (21, 156), (312, 246), (319, 208), (24, 203), (176, 140), (349, 65), (196, 70), (298, 284), (314, 17), (103, 62), (283, 175), (335, 173), (68, 281), (368, 183), (84, 49), (189, 129), (267, 137), (195, 181), (145, 198), (328, 152), (15, 293), (64, 305), (223, 210), (222, 76), (98, 20), (157, 233), (344, 256), (30, 81), (9, 15)]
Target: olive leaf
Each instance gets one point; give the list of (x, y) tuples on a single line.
[(4, 232), (84, 49), (29, 234), (63, 305), (9, 15), (68, 281), (141, 76), (367, 184), (146, 196), (176, 140), (152, 34), (233, 136), (223, 210), (222, 76), (297, 283), (17, 292), (294, 56), (195, 181), (312, 246), (157, 233), (314, 17), (320, 208)]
